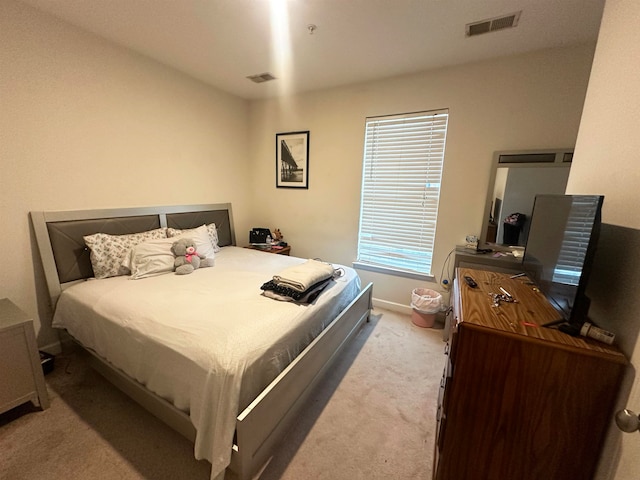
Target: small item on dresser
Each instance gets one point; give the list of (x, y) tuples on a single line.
[(591, 331), (472, 241), (502, 297), (470, 281), (505, 292)]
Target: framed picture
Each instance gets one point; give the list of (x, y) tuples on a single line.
[(292, 160)]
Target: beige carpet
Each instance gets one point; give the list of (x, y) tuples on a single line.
[(372, 418)]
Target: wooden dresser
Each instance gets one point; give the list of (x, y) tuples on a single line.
[(517, 400)]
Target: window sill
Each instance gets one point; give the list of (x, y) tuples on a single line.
[(393, 271)]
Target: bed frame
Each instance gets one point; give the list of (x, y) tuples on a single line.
[(66, 261)]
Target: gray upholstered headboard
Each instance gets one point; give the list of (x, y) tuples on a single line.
[(65, 257)]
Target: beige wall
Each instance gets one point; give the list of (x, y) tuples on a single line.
[(522, 102), (86, 124), (609, 128), (606, 162)]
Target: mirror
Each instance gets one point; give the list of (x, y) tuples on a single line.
[(516, 178)]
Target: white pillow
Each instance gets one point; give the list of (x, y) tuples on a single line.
[(155, 256), (150, 258), (109, 251), (211, 229)]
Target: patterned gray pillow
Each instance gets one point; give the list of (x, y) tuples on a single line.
[(211, 229), (108, 251)]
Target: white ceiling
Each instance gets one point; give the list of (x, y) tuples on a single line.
[(223, 41)]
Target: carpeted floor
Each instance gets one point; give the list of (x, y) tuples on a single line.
[(372, 418)]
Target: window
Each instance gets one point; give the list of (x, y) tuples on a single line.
[(401, 175)]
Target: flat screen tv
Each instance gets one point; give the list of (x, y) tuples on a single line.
[(561, 245)]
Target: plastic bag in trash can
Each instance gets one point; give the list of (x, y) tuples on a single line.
[(425, 300)]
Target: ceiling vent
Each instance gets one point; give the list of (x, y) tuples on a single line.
[(261, 78), (492, 24)]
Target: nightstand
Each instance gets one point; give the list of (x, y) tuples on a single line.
[(279, 251), (21, 377)]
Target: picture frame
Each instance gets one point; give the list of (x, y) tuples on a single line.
[(292, 160)]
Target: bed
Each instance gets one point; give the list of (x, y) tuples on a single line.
[(172, 352)]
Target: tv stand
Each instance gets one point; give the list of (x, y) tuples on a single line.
[(517, 400)]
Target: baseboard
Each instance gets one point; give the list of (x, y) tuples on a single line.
[(405, 309), (53, 348), (394, 307), (65, 343)]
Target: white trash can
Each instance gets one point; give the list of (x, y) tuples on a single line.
[(425, 303)]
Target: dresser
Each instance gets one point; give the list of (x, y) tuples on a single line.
[(21, 377), (518, 400)]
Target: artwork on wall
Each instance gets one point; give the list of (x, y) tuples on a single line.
[(292, 160)]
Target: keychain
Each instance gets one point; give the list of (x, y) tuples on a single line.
[(502, 297)]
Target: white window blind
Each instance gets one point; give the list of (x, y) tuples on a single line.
[(402, 171)]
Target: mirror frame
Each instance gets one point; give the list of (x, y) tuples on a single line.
[(543, 158)]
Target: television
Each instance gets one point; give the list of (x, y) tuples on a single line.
[(561, 245)]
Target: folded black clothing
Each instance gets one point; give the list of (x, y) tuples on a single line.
[(293, 293), (309, 297)]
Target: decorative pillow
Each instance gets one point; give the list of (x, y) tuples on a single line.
[(109, 251), (211, 229), (150, 258)]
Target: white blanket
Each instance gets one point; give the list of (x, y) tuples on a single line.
[(208, 342), (305, 275)]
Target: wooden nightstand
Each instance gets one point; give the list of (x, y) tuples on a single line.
[(279, 251), (21, 377)]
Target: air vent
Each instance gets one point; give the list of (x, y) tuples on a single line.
[(261, 78), (492, 24)]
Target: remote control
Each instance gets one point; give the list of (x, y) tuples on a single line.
[(470, 281)]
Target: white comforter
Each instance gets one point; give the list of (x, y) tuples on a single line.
[(208, 342)]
